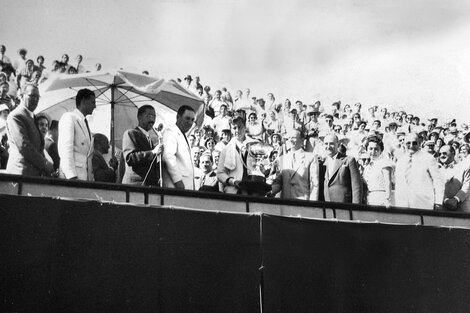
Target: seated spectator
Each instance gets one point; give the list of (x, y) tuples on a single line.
[(101, 171)]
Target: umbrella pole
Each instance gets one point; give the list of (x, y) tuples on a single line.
[(113, 147)]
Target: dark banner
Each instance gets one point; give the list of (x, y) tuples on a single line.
[(321, 266), (70, 256)]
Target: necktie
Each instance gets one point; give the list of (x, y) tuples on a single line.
[(408, 169), (150, 142), (88, 128), (203, 180)]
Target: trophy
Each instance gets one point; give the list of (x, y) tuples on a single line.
[(257, 158)]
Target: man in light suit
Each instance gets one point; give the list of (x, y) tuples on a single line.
[(457, 180), (26, 142), (340, 180), (75, 140), (297, 176), (418, 182), (178, 170), (232, 168), (139, 152)]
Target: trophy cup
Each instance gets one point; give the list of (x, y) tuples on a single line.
[(255, 182)]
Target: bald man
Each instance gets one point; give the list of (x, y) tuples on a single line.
[(418, 182), (340, 180)]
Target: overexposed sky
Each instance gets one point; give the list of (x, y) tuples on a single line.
[(410, 54)]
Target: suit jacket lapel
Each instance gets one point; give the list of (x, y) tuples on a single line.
[(336, 165), (298, 163)]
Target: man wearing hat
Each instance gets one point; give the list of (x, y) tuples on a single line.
[(297, 172)]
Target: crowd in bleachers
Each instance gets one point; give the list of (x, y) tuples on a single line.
[(400, 158)]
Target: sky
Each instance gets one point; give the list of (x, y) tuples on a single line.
[(403, 54)]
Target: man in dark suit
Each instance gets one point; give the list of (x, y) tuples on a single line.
[(26, 142), (101, 171), (339, 175), (142, 157), (205, 178)]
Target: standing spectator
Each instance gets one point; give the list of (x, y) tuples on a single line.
[(232, 167), (297, 174), (64, 63), (78, 64), (4, 111), (378, 174), (187, 82), (25, 74), (101, 171), (26, 142), (418, 181), (225, 137), (178, 171), (51, 143), (340, 180), (254, 128), (20, 62), (74, 145), (217, 102), (40, 65), (5, 62), (139, 152), (205, 177), (457, 180), (221, 120)]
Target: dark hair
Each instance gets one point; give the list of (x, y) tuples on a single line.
[(98, 139), (54, 125), (375, 139), (40, 57), (183, 109), (239, 121), (42, 115), (83, 94), (142, 110)]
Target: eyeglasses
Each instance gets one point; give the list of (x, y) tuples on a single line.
[(442, 153), (411, 143)]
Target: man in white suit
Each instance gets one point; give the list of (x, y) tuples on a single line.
[(178, 170), (419, 184), (75, 140), (298, 172), (232, 167)]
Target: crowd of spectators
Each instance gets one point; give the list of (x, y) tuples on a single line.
[(398, 158)]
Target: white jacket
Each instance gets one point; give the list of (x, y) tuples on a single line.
[(177, 161), (75, 147)]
